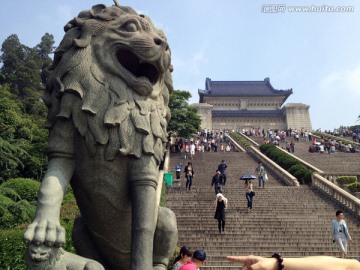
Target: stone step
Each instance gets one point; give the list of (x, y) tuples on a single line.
[(292, 220)]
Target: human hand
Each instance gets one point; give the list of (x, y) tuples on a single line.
[(255, 262), (45, 232)]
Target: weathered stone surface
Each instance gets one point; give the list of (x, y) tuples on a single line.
[(108, 111)]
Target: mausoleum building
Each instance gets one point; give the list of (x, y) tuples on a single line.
[(249, 104)]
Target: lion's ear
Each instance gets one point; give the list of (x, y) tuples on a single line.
[(95, 10)]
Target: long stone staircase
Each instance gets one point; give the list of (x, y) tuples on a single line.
[(292, 220)]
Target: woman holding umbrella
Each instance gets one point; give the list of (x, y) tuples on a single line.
[(249, 192)]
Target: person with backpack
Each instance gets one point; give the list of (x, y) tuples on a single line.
[(216, 181), (223, 170)]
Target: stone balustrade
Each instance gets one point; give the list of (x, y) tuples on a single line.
[(332, 176), (336, 193)]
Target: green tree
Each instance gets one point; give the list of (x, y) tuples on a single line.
[(23, 140), (44, 49), (20, 69), (23, 76), (184, 119), (9, 159)]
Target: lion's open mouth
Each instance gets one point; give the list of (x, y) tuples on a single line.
[(133, 64)]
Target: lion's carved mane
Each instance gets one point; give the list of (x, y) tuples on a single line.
[(110, 106)]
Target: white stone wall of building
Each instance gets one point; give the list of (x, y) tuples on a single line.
[(204, 111), (297, 116)]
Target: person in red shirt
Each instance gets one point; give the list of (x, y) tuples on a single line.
[(196, 261)]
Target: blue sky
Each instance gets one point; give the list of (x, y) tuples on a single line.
[(317, 54)]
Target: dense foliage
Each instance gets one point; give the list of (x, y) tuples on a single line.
[(354, 187), (293, 166), (23, 139), (346, 180), (17, 202), (185, 121), (27, 189), (243, 142)]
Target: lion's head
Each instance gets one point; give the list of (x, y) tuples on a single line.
[(42, 257), (112, 77)]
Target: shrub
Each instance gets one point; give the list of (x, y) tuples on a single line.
[(4, 199), (295, 168), (288, 162), (16, 213), (243, 142), (27, 188), (7, 219), (346, 180), (354, 187), (9, 193), (265, 147)]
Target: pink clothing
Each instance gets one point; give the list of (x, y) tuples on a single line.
[(188, 266)]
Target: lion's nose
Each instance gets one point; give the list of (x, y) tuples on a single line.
[(161, 42), (158, 41)]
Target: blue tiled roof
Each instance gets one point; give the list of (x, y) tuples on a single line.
[(241, 89), (242, 113)]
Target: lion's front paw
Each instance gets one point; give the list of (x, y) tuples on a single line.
[(45, 232)]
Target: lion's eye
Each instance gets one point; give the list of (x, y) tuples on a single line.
[(131, 27)]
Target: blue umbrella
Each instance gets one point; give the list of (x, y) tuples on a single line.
[(248, 177)]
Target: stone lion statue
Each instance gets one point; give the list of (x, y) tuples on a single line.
[(42, 257), (107, 100)]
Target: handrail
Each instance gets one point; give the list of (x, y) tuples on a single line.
[(349, 201)]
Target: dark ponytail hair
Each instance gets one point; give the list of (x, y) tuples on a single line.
[(183, 251)]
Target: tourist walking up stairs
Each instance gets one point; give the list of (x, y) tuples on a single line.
[(291, 220)]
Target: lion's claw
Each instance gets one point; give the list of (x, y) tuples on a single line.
[(45, 232)]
